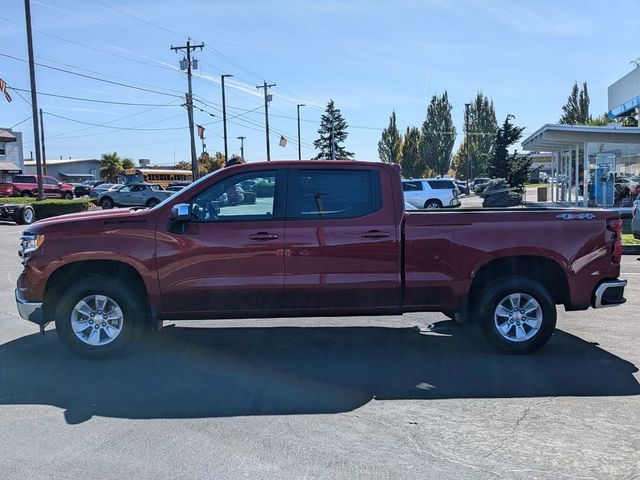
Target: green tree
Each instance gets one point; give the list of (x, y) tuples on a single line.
[(333, 133), (390, 145), (482, 134), (513, 168), (110, 166), (127, 163), (438, 135), (460, 163), (411, 161), (576, 110)]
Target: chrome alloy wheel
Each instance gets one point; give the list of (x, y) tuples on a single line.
[(97, 320), (518, 317)]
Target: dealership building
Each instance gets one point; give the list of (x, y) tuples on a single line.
[(606, 155)]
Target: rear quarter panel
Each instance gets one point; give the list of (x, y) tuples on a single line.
[(444, 251)]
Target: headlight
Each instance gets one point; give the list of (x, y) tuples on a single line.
[(30, 243)]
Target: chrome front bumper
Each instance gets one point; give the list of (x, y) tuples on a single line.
[(609, 294), (31, 311)]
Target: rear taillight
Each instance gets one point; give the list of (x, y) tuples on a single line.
[(614, 225)]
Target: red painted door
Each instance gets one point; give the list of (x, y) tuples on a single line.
[(343, 245), (229, 260)]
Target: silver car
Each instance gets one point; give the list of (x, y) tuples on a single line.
[(134, 195)]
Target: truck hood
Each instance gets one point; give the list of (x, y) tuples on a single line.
[(79, 220)]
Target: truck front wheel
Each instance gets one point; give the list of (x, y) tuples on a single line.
[(98, 316), (517, 314)]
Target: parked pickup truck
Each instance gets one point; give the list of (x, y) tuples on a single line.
[(27, 186), (133, 195), (317, 238)]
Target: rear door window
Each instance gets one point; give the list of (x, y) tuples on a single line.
[(441, 184), (411, 186), (324, 193)]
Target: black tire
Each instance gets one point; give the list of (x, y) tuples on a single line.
[(497, 292), (152, 202), (107, 203), (67, 196), (433, 203), (24, 215), (133, 315), (25, 194)]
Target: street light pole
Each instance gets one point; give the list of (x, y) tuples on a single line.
[(299, 146), (466, 141), (241, 147), (224, 118)]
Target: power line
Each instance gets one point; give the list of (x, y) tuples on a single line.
[(114, 127), (20, 123), (94, 100), (94, 78)]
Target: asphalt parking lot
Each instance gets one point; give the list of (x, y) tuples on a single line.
[(382, 397)]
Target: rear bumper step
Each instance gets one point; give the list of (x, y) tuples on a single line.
[(609, 294)]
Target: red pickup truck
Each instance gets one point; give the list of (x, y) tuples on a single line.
[(314, 238), (27, 186)]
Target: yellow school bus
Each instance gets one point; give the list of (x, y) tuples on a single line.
[(159, 176)]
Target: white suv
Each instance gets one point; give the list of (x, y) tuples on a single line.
[(431, 193)]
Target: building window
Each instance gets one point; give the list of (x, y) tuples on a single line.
[(3, 148)]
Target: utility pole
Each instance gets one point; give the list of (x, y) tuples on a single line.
[(34, 98), (466, 141), (241, 147), (299, 147), (188, 64), (44, 154), (224, 118), (267, 99)]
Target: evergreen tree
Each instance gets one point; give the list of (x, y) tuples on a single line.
[(576, 110), (390, 145), (110, 167), (438, 135), (333, 132), (513, 168), (482, 134), (411, 161)]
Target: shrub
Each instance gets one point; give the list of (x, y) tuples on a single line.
[(51, 207), (498, 193)]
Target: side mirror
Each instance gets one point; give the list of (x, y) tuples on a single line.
[(181, 212)]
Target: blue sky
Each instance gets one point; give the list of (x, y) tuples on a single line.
[(371, 57)]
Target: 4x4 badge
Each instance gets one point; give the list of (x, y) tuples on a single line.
[(576, 216)]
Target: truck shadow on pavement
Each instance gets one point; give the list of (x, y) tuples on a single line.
[(220, 372)]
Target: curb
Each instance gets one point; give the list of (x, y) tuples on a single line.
[(631, 249)]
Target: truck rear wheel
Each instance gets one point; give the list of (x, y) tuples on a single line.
[(517, 314), (98, 316)]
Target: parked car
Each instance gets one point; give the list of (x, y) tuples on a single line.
[(27, 186), (174, 188), (635, 223), (103, 187), (431, 193), (463, 186), (351, 248), (479, 181), (80, 189), (133, 195)]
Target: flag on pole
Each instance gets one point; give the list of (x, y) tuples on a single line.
[(3, 89), (200, 132), (283, 141)]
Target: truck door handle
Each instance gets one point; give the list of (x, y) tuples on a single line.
[(264, 236), (375, 234)]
